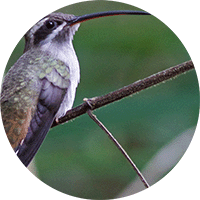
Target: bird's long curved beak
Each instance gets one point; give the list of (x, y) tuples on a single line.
[(80, 19)]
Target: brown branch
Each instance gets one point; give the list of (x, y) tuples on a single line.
[(117, 144), (135, 87)]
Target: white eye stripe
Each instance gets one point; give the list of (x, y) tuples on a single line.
[(54, 33), (38, 25)]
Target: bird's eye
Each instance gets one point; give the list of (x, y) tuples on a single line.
[(51, 24)]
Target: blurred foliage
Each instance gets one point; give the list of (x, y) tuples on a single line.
[(77, 158)]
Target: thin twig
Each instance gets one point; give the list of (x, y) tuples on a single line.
[(133, 88), (94, 118)]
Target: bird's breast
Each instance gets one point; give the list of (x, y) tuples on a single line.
[(67, 55)]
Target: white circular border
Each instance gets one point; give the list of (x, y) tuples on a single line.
[(181, 17)]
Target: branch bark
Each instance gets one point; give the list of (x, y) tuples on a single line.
[(117, 144), (97, 102)]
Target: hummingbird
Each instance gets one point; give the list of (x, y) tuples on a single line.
[(40, 87)]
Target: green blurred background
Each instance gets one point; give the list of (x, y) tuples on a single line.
[(77, 158)]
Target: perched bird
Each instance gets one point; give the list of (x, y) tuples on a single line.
[(40, 87)]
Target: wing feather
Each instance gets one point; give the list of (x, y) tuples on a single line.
[(49, 102), (32, 92)]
